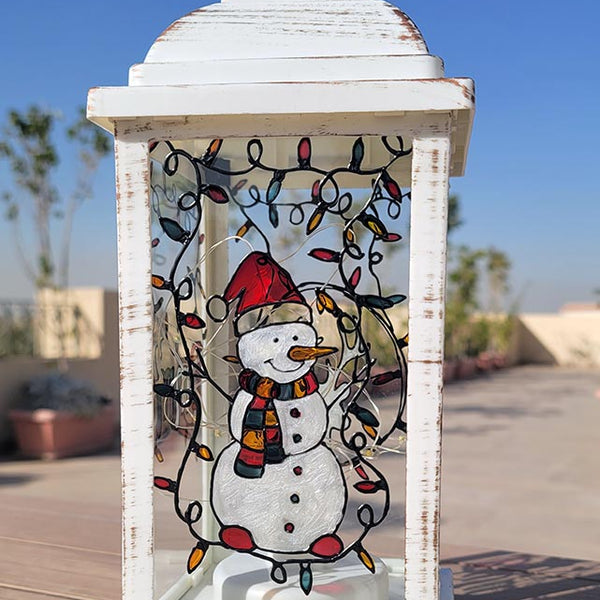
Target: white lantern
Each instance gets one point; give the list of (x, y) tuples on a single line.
[(252, 118)]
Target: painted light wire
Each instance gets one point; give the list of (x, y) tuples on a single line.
[(216, 426), (356, 349)]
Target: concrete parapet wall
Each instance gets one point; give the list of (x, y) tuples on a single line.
[(565, 339)]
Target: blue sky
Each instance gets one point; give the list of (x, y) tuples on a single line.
[(531, 183)]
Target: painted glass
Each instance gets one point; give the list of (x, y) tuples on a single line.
[(279, 366)]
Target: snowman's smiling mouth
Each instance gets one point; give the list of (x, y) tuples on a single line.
[(270, 361)]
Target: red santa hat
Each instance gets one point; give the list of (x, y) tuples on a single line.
[(266, 294)]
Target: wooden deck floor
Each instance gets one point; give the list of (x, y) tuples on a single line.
[(498, 575), (60, 521), (60, 549)]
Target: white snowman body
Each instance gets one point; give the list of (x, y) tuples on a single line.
[(302, 498)]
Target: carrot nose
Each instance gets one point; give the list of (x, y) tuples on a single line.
[(301, 353)]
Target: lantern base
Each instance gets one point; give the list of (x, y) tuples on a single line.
[(246, 577), (243, 577)]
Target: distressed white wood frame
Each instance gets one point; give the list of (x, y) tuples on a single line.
[(427, 283), (135, 330), (434, 115)]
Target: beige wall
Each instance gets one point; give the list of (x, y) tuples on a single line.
[(566, 339), (102, 371), (70, 323)]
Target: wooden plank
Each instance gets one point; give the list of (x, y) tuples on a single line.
[(60, 572), (61, 523), (284, 28), (339, 68), (427, 277), (135, 319), (293, 125), (476, 582), (339, 97), (545, 567), (26, 593), (356, 107)]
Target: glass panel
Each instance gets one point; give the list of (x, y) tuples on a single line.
[(279, 275)]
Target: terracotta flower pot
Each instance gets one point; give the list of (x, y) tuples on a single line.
[(450, 370), (466, 368), (50, 434), (485, 362), (499, 361)]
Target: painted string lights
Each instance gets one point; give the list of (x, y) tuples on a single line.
[(303, 416)]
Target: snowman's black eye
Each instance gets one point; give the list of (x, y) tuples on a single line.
[(295, 338), (275, 340)]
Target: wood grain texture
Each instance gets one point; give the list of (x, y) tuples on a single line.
[(56, 523), (57, 547), (264, 70), (427, 276), (135, 319), (339, 97), (198, 127), (10, 593), (295, 28), (274, 108), (56, 571)]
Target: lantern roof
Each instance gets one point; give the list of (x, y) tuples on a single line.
[(273, 40), (284, 28), (237, 65)]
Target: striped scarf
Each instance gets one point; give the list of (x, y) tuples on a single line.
[(261, 441)]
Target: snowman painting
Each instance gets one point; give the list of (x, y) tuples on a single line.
[(277, 487), (297, 486)]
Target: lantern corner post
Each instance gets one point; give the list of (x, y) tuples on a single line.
[(427, 282), (135, 335)]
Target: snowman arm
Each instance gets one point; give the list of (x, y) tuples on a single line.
[(336, 395)]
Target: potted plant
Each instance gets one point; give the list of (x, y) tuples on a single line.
[(479, 343), (503, 333), (61, 416)]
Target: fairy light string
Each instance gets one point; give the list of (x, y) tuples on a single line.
[(360, 431)]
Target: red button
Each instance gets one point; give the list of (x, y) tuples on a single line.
[(297, 470), (295, 413)]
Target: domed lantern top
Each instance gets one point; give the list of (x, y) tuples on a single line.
[(367, 53), (300, 28), (238, 41)]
